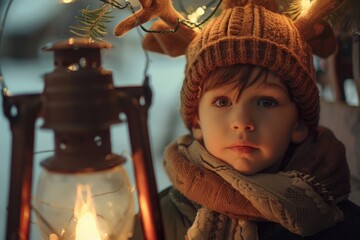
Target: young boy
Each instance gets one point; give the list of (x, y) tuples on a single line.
[(256, 165), (247, 126)]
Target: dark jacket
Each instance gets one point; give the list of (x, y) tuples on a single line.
[(178, 214)]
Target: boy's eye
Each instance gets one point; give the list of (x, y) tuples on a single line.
[(222, 102), (267, 102)]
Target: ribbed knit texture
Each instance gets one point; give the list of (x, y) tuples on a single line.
[(252, 35)]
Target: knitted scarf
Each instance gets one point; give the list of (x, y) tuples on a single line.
[(302, 198)]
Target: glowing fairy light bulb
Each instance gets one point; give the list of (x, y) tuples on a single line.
[(194, 17), (200, 11)]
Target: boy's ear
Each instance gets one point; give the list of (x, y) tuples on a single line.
[(300, 132), (196, 129)]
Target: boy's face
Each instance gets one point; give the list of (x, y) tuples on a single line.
[(251, 131)]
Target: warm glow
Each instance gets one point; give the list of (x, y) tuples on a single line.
[(86, 228), (67, 1), (200, 11), (73, 67), (193, 17), (84, 211), (71, 41), (305, 4)]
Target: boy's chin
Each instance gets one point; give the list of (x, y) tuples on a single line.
[(273, 169)]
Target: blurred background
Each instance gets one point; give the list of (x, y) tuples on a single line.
[(31, 25)]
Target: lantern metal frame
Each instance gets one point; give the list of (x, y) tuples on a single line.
[(22, 112)]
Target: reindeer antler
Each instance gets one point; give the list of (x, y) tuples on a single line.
[(317, 32), (173, 44), (162, 9), (307, 21)]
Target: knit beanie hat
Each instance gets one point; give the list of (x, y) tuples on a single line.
[(252, 34)]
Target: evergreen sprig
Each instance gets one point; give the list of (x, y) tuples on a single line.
[(294, 9), (92, 23)]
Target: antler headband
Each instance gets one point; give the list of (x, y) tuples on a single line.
[(309, 24)]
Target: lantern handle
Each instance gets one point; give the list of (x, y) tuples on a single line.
[(137, 115), (22, 112)]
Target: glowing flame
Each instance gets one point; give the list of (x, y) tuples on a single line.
[(84, 211)]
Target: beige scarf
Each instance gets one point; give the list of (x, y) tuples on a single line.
[(302, 198)]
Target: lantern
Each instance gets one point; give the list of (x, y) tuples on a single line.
[(83, 191)]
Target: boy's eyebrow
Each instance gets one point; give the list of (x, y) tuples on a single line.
[(277, 85)]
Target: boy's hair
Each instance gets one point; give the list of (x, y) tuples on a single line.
[(240, 76), (252, 35)]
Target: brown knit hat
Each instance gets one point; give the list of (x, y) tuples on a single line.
[(252, 34)]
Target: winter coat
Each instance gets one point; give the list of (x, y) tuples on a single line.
[(259, 207), (178, 214)]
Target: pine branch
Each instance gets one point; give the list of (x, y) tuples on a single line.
[(92, 23), (293, 9)]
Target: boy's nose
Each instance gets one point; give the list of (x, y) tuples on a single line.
[(242, 121), (244, 127)]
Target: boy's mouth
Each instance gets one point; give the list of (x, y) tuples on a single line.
[(243, 148)]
